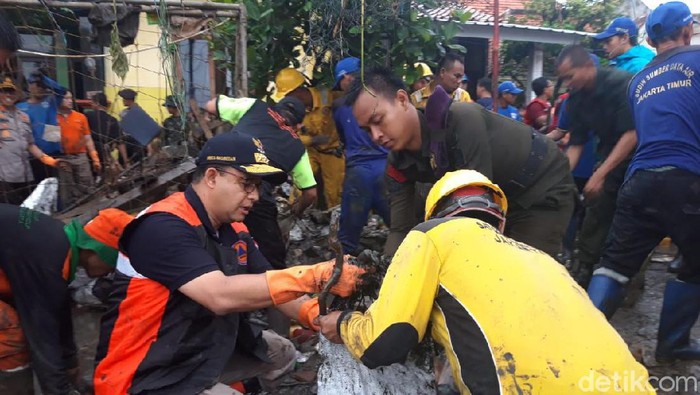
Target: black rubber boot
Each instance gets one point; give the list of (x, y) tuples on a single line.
[(679, 313), (606, 294)]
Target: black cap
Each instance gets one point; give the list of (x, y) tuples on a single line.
[(292, 106), (127, 94), (170, 101), (242, 152)]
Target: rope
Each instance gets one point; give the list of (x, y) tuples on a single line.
[(104, 55)]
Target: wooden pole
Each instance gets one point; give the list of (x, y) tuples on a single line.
[(495, 52)]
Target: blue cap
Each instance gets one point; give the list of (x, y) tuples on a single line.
[(620, 25), (345, 66), (465, 78), (509, 87), (667, 18)]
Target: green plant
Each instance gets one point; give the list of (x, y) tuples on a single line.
[(396, 35)]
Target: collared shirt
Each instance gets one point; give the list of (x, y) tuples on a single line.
[(478, 139), (605, 110), (420, 97), (155, 339), (665, 98), (74, 128), (510, 112), (43, 115), (15, 138)]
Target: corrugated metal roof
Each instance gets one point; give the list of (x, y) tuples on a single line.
[(446, 11), (528, 27), (479, 18)]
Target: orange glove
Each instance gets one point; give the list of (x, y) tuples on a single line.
[(309, 312), (48, 160), (289, 284), (95, 161)]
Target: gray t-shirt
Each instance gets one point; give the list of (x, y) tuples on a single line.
[(15, 137)]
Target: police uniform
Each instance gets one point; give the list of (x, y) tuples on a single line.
[(481, 296), (529, 167)]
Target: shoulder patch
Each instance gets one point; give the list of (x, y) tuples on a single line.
[(241, 248), (395, 174)]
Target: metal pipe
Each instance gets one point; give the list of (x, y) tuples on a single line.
[(241, 68), (495, 50)]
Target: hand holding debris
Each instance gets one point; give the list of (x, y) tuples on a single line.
[(308, 314), (289, 284), (329, 326)]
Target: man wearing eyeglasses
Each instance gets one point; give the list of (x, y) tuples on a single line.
[(189, 272), (449, 77), (450, 136)]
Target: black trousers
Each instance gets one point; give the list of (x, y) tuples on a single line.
[(263, 226), (650, 206)]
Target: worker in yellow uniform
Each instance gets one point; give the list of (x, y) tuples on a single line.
[(510, 318), (425, 75), (449, 76), (319, 134)]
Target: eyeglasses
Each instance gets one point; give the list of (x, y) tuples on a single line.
[(249, 185)]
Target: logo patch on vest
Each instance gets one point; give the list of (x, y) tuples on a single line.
[(241, 248)]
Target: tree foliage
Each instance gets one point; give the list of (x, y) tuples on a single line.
[(396, 35), (581, 15), (585, 15)]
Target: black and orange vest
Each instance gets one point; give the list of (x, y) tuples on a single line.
[(159, 341)]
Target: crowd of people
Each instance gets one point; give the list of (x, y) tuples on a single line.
[(480, 199)]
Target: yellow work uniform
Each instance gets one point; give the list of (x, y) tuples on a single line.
[(325, 158), (420, 97), (511, 319)]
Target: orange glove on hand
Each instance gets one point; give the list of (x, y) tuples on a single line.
[(308, 313), (289, 284), (48, 160)]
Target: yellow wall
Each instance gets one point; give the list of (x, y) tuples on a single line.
[(145, 76)]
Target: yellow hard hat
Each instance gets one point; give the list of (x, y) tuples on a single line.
[(286, 81), (455, 184), (423, 70)]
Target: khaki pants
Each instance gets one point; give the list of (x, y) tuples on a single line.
[(332, 171), (74, 184), (281, 352)]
